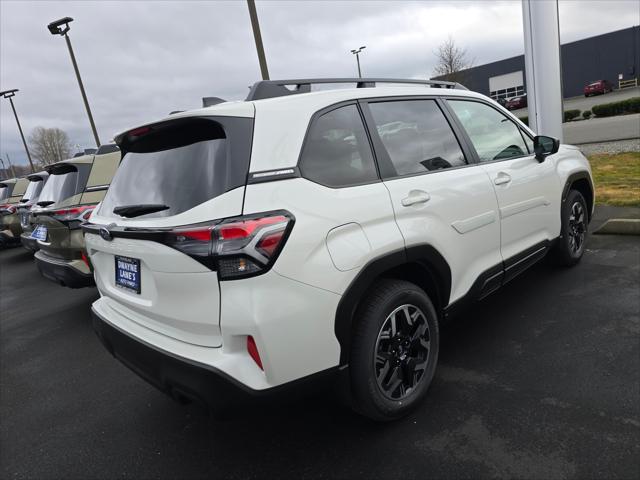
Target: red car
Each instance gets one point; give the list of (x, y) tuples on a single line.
[(599, 87), (516, 102)]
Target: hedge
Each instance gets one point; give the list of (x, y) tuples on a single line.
[(571, 114), (631, 105), (586, 114)]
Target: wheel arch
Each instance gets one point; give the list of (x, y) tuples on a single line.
[(581, 181), (422, 265)]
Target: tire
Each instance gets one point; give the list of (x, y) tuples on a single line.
[(569, 248), (380, 359)]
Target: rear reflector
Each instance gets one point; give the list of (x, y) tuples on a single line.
[(252, 348)]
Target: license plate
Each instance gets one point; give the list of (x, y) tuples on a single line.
[(128, 273), (39, 233), (24, 219)]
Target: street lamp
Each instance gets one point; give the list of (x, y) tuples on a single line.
[(61, 27), (357, 54), (9, 94)]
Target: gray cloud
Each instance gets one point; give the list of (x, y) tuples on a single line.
[(140, 60)]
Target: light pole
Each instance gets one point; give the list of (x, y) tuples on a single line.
[(9, 94), (357, 54), (56, 28), (255, 25), (4, 169)]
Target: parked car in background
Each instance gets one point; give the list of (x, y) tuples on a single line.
[(501, 101), (253, 246), (37, 182), (11, 192), (598, 87), (77, 186), (516, 103), (17, 216)]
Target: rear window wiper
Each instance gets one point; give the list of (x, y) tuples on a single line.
[(45, 203), (131, 211)]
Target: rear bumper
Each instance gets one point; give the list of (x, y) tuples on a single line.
[(186, 380), (62, 272), (29, 243)]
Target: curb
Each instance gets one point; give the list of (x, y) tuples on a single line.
[(620, 226)]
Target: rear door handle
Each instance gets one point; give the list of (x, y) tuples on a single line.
[(502, 178), (415, 197)]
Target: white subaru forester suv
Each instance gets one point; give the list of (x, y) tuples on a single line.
[(302, 235)]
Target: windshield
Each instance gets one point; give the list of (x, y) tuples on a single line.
[(33, 190), (59, 187), (4, 192), (181, 165)]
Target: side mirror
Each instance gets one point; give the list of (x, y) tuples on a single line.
[(544, 146)]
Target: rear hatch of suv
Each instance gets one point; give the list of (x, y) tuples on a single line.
[(149, 240), (54, 216)]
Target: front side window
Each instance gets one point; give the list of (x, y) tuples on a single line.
[(417, 136), (494, 136), (336, 152)]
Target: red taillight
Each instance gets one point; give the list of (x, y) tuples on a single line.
[(252, 348), (7, 209), (244, 229), (236, 247), (75, 213), (84, 258), (270, 242)]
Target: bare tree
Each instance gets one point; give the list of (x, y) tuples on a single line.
[(451, 61), (49, 145)]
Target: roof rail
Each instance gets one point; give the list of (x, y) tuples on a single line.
[(278, 88)]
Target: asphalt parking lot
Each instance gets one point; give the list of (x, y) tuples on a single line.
[(541, 380)]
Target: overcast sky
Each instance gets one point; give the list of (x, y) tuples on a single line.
[(140, 60)]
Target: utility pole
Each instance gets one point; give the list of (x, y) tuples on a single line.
[(356, 52), (258, 38), (56, 29), (10, 94)]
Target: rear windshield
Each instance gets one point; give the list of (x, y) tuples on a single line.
[(33, 190), (64, 184), (5, 192), (181, 164)]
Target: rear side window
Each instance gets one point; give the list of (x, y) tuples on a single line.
[(180, 164), (336, 152), (494, 136), (417, 136)]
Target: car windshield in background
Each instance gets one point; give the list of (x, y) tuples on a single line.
[(4, 192), (33, 190), (59, 187), (167, 179)]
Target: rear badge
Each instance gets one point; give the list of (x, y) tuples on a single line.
[(105, 234)]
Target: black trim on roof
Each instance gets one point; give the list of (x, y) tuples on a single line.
[(278, 88)]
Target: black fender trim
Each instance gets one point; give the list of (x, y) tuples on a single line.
[(583, 174), (424, 256)]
